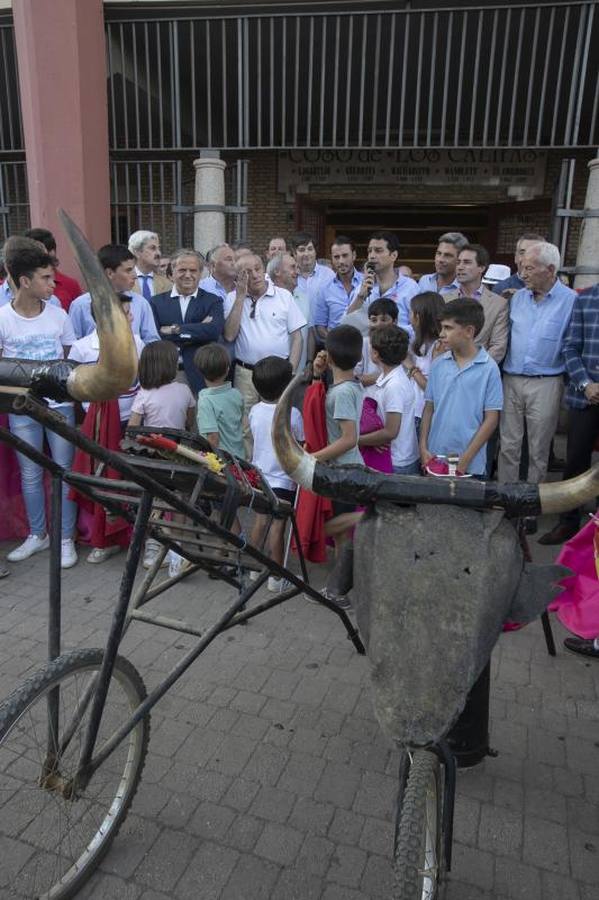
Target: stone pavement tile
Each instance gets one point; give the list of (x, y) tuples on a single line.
[(347, 865), (588, 891), (558, 887), (301, 774), (311, 817), (240, 793), (200, 746), (342, 697), (500, 831), (266, 764), (337, 749), (511, 737), (278, 734), (377, 878), (338, 785), (335, 892), (373, 756), (508, 793), (244, 832), (315, 855), (132, 847), (591, 788), (169, 736), (378, 837), (248, 702), (168, 861), (278, 710), (200, 783), (376, 795), (279, 843), (583, 816), (273, 804), (281, 684), (154, 895), (211, 821), (545, 805), (536, 774), (252, 677), (584, 855), (110, 888), (14, 855), (546, 845), (516, 880), (308, 740), (178, 811), (311, 690), (346, 827), (250, 726), (224, 719), (547, 747), (476, 782), (207, 873), (252, 879), (475, 867), (571, 784), (457, 890), (233, 754), (295, 884), (583, 756), (466, 819)]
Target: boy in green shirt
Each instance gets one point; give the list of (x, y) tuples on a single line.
[(220, 405)]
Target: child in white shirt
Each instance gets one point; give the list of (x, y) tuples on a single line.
[(395, 401), (270, 377)]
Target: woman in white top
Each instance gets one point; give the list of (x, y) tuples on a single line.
[(30, 328), (425, 312)]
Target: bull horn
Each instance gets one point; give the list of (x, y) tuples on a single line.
[(116, 369), (298, 464), (562, 496)]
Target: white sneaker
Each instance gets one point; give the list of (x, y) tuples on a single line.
[(253, 575), (101, 554), (32, 544), (68, 553), (278, 585), (151, 552)]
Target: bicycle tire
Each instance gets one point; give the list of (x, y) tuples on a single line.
[(418, 852), (63, 838)]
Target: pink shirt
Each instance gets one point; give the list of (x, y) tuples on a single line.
[(164, 407)]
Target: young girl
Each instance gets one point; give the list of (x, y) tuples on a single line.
[(162, 402), (425, 312)]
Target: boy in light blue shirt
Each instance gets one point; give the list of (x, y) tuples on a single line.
[(463, 395), (220, 406)]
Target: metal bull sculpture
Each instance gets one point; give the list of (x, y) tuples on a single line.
[(437, 570), (116, 368)]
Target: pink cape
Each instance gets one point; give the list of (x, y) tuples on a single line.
[(577, 607)]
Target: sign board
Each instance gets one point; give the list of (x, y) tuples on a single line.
[(515, 168)]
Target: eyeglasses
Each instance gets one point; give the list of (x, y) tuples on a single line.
[(253, 309)]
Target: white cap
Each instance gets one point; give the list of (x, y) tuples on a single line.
[(495, 273)]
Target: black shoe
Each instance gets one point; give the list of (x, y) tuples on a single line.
[(529, 524), (582, 647), (558, 535), (556, 465)]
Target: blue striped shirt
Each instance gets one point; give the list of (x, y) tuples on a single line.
[(537, 330), (431, 283), (401, 293), (581, 346)]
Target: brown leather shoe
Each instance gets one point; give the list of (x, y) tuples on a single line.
[(558, 535), (582, 647)]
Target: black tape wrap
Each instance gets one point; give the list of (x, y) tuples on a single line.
[(359, 485), (43, 379)]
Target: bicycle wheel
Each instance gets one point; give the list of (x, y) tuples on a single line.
[(418, 855), (57, 835)]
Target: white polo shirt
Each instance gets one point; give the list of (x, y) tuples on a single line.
[(267, 333), (395, 394), (87, 350)]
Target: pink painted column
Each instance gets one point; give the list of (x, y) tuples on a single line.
[(62, 79)]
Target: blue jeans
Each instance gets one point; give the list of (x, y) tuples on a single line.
[(32, 475), (410, 469)]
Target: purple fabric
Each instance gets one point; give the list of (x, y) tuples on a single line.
[(374, 457)]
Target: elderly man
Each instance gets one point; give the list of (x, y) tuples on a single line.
[(263, 320), (473, 261), (145, 247), (221, 262), (187, 315), (334, 298), (118, 264), (443, 279), (534, 365), (282, 271), (383, 280), (512, 283)]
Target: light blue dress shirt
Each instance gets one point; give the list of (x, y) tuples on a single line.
[(332, 300), (430, 283), (460, 398), (212, 286), (537, 331), (314, 283), (401, 293), (6, 295), (143, 322)]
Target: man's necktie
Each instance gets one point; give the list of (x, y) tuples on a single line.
[(146, 287)]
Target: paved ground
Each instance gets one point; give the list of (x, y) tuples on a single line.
[(268, 777)]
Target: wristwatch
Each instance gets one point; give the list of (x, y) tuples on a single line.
[(584, 385)]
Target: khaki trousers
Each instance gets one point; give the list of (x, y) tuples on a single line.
[(536, 401), (245, 386)]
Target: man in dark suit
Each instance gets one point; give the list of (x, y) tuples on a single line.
[(187, 315)]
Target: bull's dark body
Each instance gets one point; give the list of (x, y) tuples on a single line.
[(432, 587)]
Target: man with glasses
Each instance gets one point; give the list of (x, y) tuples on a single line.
[(263, 320)]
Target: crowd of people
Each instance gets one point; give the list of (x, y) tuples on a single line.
[(462, 371)]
